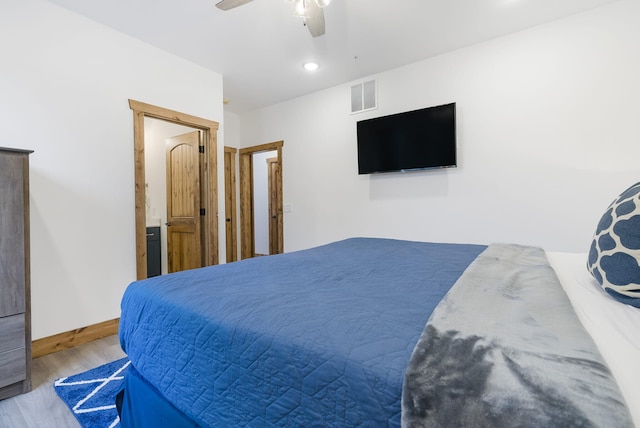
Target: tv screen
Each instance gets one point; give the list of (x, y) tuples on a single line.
[(417, 139)]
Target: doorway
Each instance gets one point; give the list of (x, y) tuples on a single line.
[(264, 206), (173, 197), (208, 187), (247, 208)]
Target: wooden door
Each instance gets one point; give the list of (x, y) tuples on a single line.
[(230, 203), (184, 241), (275, 211)]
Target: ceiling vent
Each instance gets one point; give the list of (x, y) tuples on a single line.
[(364, 96)]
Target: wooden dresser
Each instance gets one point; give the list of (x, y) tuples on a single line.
[(15, 296)]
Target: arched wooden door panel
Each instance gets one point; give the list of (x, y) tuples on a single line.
[(184, 249)]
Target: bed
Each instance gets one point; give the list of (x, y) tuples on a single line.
[(374, 332)]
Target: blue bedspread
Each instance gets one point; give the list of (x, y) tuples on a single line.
[(319, 337)]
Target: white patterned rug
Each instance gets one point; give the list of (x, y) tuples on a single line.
[(91, 395)]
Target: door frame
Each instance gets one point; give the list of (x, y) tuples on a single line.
[(209, 173), (247, 244)]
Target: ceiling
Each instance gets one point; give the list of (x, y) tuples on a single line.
[(259, 48)]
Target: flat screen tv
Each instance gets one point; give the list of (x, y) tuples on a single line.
[(413, 140)]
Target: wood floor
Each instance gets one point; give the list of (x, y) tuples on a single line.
[(42, 407)]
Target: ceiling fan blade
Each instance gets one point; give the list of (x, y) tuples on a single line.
[(315, 18), (230, 4)]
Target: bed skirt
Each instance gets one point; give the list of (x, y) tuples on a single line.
[(157, 411)]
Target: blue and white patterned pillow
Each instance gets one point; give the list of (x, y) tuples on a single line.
[(614, 257)]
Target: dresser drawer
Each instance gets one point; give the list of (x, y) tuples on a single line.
[(12, 333), (13, 366)]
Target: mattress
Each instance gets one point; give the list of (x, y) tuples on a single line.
[(505, 348), (613, 326), (319, 337)]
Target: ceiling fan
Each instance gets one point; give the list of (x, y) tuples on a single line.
[(309, 10)]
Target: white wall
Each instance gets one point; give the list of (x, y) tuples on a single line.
[(64, 85), (548, 134)]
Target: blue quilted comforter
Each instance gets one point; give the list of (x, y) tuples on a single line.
[(319, 337)]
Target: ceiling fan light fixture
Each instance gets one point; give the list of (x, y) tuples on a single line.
[(323, 3), (300, 9)]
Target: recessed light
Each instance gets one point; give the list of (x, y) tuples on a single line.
[(311, 66)]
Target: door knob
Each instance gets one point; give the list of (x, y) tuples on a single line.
[(228, 220), (167, 224)]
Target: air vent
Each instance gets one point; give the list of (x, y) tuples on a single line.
[(364, 96)]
